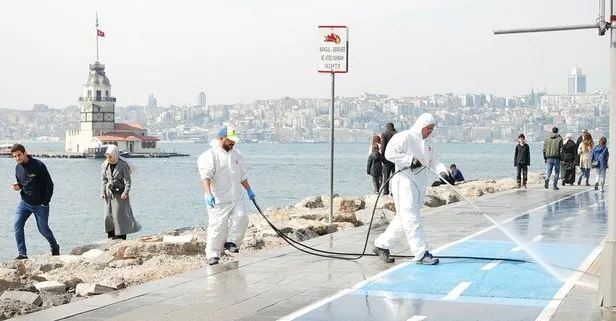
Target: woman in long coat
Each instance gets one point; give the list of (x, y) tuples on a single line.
[(585, 152), (569, 155), (119, 219)]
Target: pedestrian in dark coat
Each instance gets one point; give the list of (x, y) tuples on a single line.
[(375, 168), (521, 160)]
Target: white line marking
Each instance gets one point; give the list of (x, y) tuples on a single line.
[(491, 265), (537, 238), (324, 301), (571, 218), (455, 293), (551, 308), (417, 318), (516, 249), (554, 228)]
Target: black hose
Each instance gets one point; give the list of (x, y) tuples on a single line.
[(356, 256)]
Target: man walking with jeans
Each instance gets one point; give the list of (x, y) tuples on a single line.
[(551, 156), (36, 187)]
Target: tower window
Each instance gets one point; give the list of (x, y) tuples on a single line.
[(98, 95), (106, 93), (89, 93)]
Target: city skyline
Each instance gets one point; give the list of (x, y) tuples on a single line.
[(242, 51)]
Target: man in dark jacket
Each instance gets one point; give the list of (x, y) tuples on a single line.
[(36, 188), (388, 167), (551, 156), (521, 160)]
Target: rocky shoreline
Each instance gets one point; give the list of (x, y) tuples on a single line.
[(45, 281)]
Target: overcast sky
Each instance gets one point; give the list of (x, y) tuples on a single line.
[(242, 50)]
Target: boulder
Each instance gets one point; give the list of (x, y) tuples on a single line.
[(301, 235), (51, 286), (43, 264), (348, 205), (22, 296), (115, 282), (311, 202), (9, 279), (10, 308), (72, 282), (90, 254), (51, 299), (148, 250), (86, 289)]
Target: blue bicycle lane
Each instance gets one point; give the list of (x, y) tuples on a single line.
[(557, 240)]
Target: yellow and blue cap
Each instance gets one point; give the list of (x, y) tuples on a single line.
[(229, 133)]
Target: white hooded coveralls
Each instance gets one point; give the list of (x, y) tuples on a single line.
[(409, 187), (227, 220)]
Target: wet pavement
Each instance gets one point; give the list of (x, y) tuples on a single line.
[(483, 274)]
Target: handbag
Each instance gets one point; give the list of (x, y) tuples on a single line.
[(117, 187)]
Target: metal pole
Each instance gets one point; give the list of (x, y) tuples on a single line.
[(607, 282), (331, 167), (544, 29), (96, 33)]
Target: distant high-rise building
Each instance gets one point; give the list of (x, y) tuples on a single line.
[(577, 81), (202, 99), (151, 102)]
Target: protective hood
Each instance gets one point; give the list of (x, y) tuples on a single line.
[(422, 121), (214, 143)]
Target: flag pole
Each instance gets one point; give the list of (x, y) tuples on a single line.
[(96, 33)]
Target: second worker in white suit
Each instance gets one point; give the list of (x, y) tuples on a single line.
[(410, 148), (224, 179)]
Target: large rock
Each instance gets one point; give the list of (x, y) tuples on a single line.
[(90, 254), (279, 213), (22, 296), (302, 235), (311, 202), (51, 286), (86, 289), (433, 201), (51, 299), (9, 279), (348, 205), (381, 216), (10, 308), (43, 264), (115, 282), (148, 250)]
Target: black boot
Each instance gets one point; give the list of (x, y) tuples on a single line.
[(587, 184)]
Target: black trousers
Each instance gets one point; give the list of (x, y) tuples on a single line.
[(376, 183), (388, 169), (522, 175)]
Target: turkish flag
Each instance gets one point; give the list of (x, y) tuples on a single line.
[(100, 33)]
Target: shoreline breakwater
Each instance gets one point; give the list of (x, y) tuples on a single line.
[(45, 281)]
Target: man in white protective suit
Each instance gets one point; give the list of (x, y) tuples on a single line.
[(414, 150), (223, 174)]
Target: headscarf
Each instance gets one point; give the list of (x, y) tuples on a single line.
[(115, 157), (422, 121), (114, 152), (568, 137)]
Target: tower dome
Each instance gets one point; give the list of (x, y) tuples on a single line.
[(96, 76)]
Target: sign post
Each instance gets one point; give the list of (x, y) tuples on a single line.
[(333, 53)]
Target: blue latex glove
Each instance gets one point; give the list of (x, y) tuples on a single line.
[(209, 198), (251, 194)]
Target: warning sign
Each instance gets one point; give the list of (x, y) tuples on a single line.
[(333, 44)]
